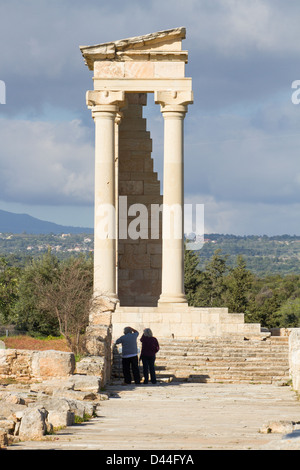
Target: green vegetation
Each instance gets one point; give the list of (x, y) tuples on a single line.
[(48, 291), (264, 255), (273, 300), (48, 296)]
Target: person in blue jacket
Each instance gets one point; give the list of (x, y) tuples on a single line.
[(130, 361)]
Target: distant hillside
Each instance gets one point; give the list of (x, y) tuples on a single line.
[(263, 255), (24, 235), (20, 223)]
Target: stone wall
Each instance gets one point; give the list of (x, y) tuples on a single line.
[(139, 260), (294, 358), (30, 366), (99, 334)]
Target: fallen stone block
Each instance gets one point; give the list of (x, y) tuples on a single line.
[(91, 365), (47, 364), (3, 439), (85, 383), (34, 424), (61, 418)]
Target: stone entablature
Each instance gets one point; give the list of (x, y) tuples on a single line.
[(160, 46)]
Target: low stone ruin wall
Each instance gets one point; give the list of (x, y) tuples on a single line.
[(44, 390), (31, 366), (30, 411)]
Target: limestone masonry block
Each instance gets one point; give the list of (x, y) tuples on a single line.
[(155, 261), (48, 364), (30, 365), (109, 69), (138, 262), (169, 70), (139, 69), (131, 187)]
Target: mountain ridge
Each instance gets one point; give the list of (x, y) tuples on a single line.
[(11, 222)]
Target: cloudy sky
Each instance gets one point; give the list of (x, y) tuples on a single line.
[(242, 134)]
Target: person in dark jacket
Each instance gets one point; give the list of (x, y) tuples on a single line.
[(150, 347)]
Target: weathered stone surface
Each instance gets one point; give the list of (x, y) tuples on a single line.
[(165, 44), (34, 424), (103, 304), (85, 383), (28, 365), (46, 364), (61, 419), (294, 357), (280, 427), (76, 382), (9, 409), (98, 340), (27, 412), (90, 365), (7, 425), (3, 439), (187, 416)]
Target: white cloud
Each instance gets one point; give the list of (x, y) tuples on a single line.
[(247, 218), (43, 162), (246, 158), (241, 134)]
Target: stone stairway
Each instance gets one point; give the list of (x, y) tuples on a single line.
[(227, 360)]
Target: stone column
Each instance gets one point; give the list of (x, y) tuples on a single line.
[(105, 107), (173, 108)]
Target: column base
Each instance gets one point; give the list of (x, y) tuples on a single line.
[(172, 299)]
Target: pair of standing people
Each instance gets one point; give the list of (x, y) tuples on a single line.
[(130, 361)]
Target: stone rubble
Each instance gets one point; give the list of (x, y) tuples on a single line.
[(32, 409)]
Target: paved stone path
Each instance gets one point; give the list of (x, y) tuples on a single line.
[(183, 416)]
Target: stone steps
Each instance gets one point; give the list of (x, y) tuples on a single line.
[(225, 360), (231, 360)]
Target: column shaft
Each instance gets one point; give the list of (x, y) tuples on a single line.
[(105, 220), (173, 201)]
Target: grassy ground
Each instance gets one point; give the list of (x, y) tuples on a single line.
[(27, 342)]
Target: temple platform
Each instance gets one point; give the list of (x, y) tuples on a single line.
[(181, 321)]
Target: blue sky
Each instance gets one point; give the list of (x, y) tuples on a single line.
[(242, 134)]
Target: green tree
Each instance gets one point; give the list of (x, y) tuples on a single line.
[(239, 282), (68, 300), (288, 315), (263, 311), (192, 276), (213, 287), (27, 314), (9, 280), (54, 297)]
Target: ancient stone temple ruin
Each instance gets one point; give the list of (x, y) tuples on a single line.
[(139, 258)]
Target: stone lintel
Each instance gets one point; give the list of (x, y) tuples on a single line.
[(143, 85)]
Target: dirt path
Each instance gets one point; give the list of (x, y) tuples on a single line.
[(179, 416)]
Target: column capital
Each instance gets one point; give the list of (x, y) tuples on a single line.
[(97, 100), (173, 100)]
